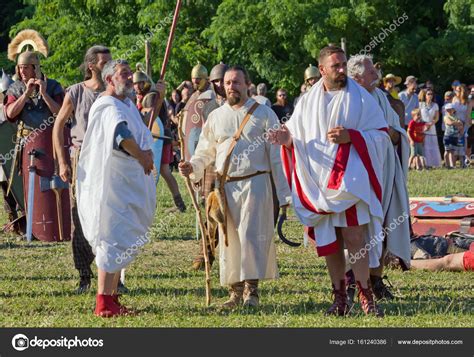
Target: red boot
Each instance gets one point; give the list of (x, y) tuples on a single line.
[(105, 306), (339, 307), (123, 309), (366, 298)]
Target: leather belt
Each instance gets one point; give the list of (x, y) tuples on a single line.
[(240, 178)]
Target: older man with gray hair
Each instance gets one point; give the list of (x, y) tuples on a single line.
[(261, 95), (115, 191), (395, 171)]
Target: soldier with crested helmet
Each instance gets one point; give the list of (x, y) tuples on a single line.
[(33, 101)]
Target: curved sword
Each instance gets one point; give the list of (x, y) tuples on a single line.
[(281, 220)]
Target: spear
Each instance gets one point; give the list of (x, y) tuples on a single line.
[(159, 101), (147, 59), (202, 227)]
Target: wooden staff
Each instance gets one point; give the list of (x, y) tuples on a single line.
[(202, 227), (147, 59), (159, 101)]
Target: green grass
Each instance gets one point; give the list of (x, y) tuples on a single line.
[(37, 282)]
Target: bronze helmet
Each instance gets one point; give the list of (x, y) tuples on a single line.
[(311, 72), (199, 71), (34, 44), (217, 72)]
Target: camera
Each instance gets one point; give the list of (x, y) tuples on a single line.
[(21, 342)]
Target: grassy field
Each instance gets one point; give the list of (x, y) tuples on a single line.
[(37, 282)]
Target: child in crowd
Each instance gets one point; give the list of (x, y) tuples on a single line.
[(416, 136), (448, 98), (452, 135)]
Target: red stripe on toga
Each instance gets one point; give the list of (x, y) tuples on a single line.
[(285, 153), (361, 148), (299, 190), (351, 216), (324, 250), (340, 165)]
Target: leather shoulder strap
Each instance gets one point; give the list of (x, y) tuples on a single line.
[(236, 138)]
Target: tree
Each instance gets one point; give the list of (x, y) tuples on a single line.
[(11, 12), (73, 26), (274, 39)]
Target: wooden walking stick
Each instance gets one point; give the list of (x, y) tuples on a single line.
[(202, 226), (159, 101)]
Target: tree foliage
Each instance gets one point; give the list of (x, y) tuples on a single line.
[(274, 39)]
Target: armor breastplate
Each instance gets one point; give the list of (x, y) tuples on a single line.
[(36, 111)]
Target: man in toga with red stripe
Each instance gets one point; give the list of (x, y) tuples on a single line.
[(333, 151)]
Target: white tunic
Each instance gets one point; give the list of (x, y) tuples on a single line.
[(251, 252), (116, 200), (396, 206), (338, 185)]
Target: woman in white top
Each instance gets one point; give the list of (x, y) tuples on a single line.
[(463, 111), (430, 115)]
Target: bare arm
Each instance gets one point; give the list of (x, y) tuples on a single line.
[(58, 137), (50, 102), (14, 109), (448, 121), (145, 158)]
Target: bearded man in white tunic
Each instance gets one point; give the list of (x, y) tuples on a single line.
[(115, 192), (250, 255), (334, 148)]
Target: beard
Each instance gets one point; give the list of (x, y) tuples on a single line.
[(234, 99), (125, 89), (341, 81), (338, 83)]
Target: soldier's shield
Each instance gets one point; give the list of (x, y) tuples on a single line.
[(192, 125), (7, 156), (157, 131), (192, 140), (46, 215), (440, 216)]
